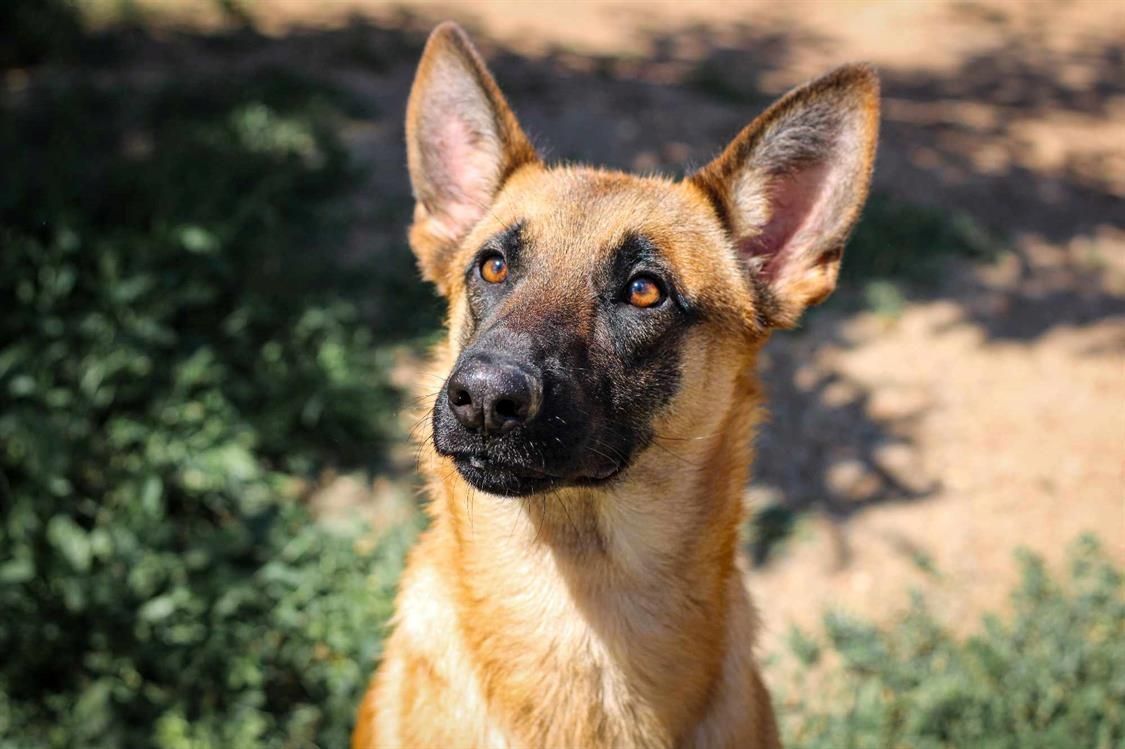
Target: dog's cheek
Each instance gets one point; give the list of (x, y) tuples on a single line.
[(441, 423), (462, 322), (710, 368), (647, 382)]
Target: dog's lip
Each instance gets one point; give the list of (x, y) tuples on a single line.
[(483, 462)]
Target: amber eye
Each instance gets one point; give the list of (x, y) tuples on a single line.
[(644, 292), (494, 269)]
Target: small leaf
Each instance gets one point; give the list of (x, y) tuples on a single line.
[(158, 608), (69, 538)]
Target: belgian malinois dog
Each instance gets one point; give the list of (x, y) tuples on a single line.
[(580, 584)]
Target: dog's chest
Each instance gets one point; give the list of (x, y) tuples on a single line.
[(567, 672)]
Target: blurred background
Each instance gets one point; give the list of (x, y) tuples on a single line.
[(211, 323)]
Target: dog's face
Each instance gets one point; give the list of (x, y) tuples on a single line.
[(573, 305), (591, 312)]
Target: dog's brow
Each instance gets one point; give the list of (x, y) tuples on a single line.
[(635, 248), (508, 241)]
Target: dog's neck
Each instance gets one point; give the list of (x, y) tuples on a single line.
[(605, 584)]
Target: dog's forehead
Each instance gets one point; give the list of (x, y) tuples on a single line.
[(573, 220), (584, 215)]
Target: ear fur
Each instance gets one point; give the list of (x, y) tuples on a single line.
[(462, 143), (791, 185)]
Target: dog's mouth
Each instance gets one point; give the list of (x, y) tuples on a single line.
[(511, 479)]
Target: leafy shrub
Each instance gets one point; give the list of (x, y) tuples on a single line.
[(1051, 678), (901, 250), (900, 241), (172, 363)]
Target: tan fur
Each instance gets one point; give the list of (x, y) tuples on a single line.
[(597, 617)]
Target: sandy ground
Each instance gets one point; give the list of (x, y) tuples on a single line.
[(990, 414)]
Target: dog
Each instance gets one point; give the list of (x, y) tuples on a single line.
[(580, 584)]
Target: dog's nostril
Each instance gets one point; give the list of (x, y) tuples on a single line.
[(461, 398), (507, 408)]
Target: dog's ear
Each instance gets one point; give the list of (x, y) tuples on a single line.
[(791, 185), (462, 143)]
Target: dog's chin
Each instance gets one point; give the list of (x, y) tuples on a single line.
[(507, 480)]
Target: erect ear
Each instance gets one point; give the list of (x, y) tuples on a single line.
[(462, 143), (791, 185)]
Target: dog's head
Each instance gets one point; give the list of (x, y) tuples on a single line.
[(592, 312)]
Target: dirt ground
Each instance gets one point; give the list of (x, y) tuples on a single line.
[(913, 451)]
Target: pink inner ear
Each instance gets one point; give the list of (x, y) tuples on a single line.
[(465, 162), (794, 205)]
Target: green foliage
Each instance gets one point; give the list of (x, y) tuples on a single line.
[(905, 242), (174, 359), (1051, 678), (899, 249)]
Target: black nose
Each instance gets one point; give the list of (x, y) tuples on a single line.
[(494, 396)]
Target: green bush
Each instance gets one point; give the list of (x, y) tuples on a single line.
[(899, 241), (900, 250), (173, 362), (1053, 677)]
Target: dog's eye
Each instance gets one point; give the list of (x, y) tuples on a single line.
[(644, 292), (494, 269)]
